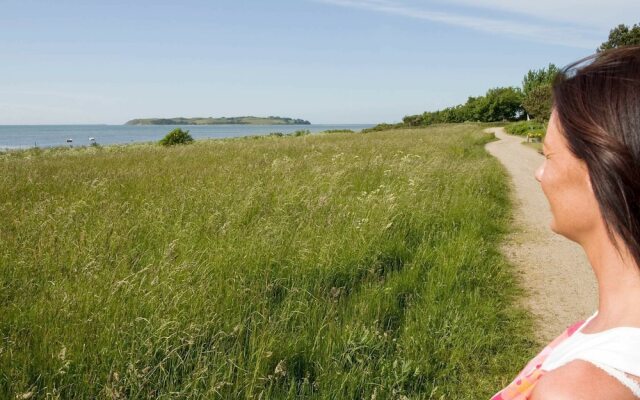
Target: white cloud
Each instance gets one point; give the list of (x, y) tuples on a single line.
[(576, 33), (596, 14)]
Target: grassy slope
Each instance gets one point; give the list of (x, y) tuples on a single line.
[(323, 266)]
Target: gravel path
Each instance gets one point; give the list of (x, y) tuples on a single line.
[(558, 280)]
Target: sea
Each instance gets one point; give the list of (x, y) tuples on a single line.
[(28, 136)]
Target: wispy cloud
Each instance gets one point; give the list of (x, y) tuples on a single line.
[(596, 14), (547, 33)]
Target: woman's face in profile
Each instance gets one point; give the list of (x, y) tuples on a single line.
[(565, 182)]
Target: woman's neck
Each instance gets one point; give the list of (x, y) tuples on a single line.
[(618, 279)]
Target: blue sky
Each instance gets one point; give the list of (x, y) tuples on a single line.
[(328, 61)]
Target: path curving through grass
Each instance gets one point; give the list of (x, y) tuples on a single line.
[(559, 283)]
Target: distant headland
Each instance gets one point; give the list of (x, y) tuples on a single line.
[(219, 121)]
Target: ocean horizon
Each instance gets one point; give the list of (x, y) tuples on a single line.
[(30, 136)]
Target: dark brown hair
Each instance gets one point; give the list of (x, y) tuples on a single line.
[(597, 101)]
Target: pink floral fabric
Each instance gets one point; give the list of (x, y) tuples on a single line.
[(523, 384)]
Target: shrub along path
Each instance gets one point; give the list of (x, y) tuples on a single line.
[(560, 286)]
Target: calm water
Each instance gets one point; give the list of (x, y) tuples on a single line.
[(24, 136)]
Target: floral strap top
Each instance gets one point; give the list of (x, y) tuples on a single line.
[(523, 384)]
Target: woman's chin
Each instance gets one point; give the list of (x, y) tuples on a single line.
[(570, 234)]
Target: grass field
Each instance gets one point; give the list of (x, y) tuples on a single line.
[(330, 266)]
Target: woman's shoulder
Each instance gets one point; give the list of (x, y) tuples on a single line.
[(580, 380), (618, 348)]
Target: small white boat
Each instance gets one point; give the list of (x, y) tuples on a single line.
[(69, 140)]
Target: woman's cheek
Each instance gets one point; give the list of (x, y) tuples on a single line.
[(546, 184)]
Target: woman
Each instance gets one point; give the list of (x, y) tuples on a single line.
[(591, 178)]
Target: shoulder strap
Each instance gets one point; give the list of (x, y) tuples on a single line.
[(617, 348), (523, 384)]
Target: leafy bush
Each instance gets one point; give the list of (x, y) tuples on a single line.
[(498, 104), (276, 134), (533, 129), (383, 127), (302, 132), (176, 136), (537, 134), (338, 131)]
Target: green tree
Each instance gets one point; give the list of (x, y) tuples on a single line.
[(536, 87), (471, 109), (413, 120), (176, 136), (500, 104), (539, 77), (620, 36), (538, 102)]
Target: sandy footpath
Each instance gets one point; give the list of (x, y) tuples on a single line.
[(559, 283)]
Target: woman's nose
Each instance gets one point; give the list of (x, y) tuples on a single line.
[(539, 172)]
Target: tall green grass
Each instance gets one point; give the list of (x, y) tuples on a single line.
[(341, 266)]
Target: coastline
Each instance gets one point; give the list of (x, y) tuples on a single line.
[(44, 136)]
